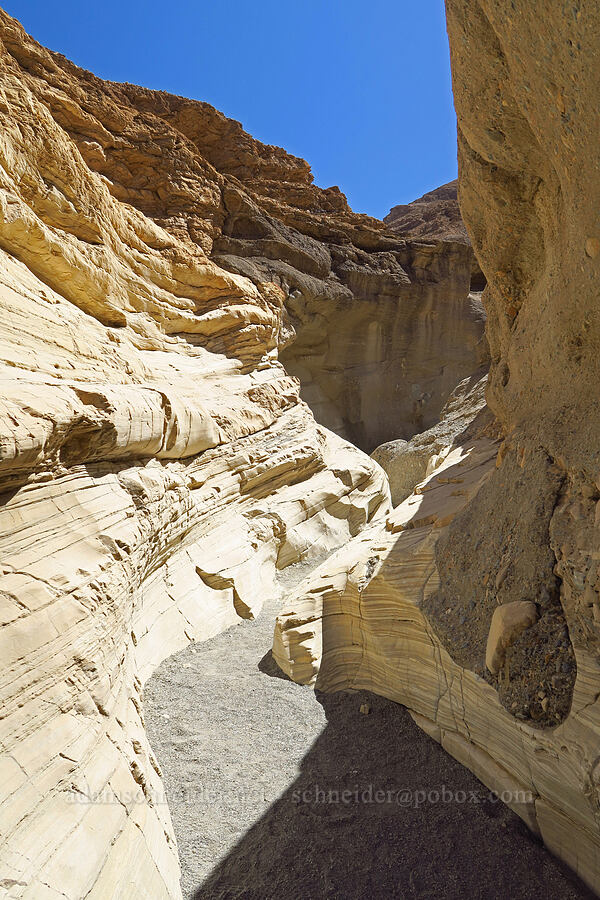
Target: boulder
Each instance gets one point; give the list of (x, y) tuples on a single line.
[(508, 621)]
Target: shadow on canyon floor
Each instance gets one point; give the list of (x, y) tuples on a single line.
[(255, 771), (380, 810)]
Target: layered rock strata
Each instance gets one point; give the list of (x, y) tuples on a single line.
[(406, 610), (436, 214), (360, 622), (379, 355), (157, 465)]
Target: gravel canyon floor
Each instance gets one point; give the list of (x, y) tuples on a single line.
[(197, 343), (256, 767)]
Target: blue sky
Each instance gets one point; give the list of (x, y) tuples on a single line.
[(359, 88)]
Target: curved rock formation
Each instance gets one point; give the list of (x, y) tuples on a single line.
[(406, 611), (377, 328), (407, 463), (157, 465)]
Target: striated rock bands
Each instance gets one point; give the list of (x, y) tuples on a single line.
[(361, 622), (157, 466), (379, 356), (409, 610), (464, 415)]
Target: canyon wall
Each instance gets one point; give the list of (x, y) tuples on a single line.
[(436, 215), (378, 357), (377, 328), (157, 465), (477, 606)]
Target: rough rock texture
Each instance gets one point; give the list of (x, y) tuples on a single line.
[(378, 329), (508, 621), (156, 463), (436, 214), (528, 115), (406, 611), (360, 622), (407, 463)]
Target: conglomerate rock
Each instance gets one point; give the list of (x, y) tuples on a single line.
[(406, 610)]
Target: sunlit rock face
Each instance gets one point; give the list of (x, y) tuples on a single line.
[(378, 328), (157, 465), (407, 463), (436, 215), (379, 355), (510, 515)]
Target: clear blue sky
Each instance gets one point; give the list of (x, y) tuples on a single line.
[(359, 88)]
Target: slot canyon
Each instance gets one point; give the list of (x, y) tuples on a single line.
[(300, 508)]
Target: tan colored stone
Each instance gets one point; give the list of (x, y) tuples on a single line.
[(407, 463), (508, 621), (347, 631), (592, 247), (379, 355), (157, 466)]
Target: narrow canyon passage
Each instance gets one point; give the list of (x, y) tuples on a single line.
[(256, 767)]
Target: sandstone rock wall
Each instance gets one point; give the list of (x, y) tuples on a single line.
[(378, 358), (527, 116), (378, 328), (407, 463), (157, 466), (406, 610)]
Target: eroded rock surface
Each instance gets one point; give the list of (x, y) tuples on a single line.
[(435, 214), (406, 611), (157, 465), (508, 621), (407, 463), (378, 356)]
